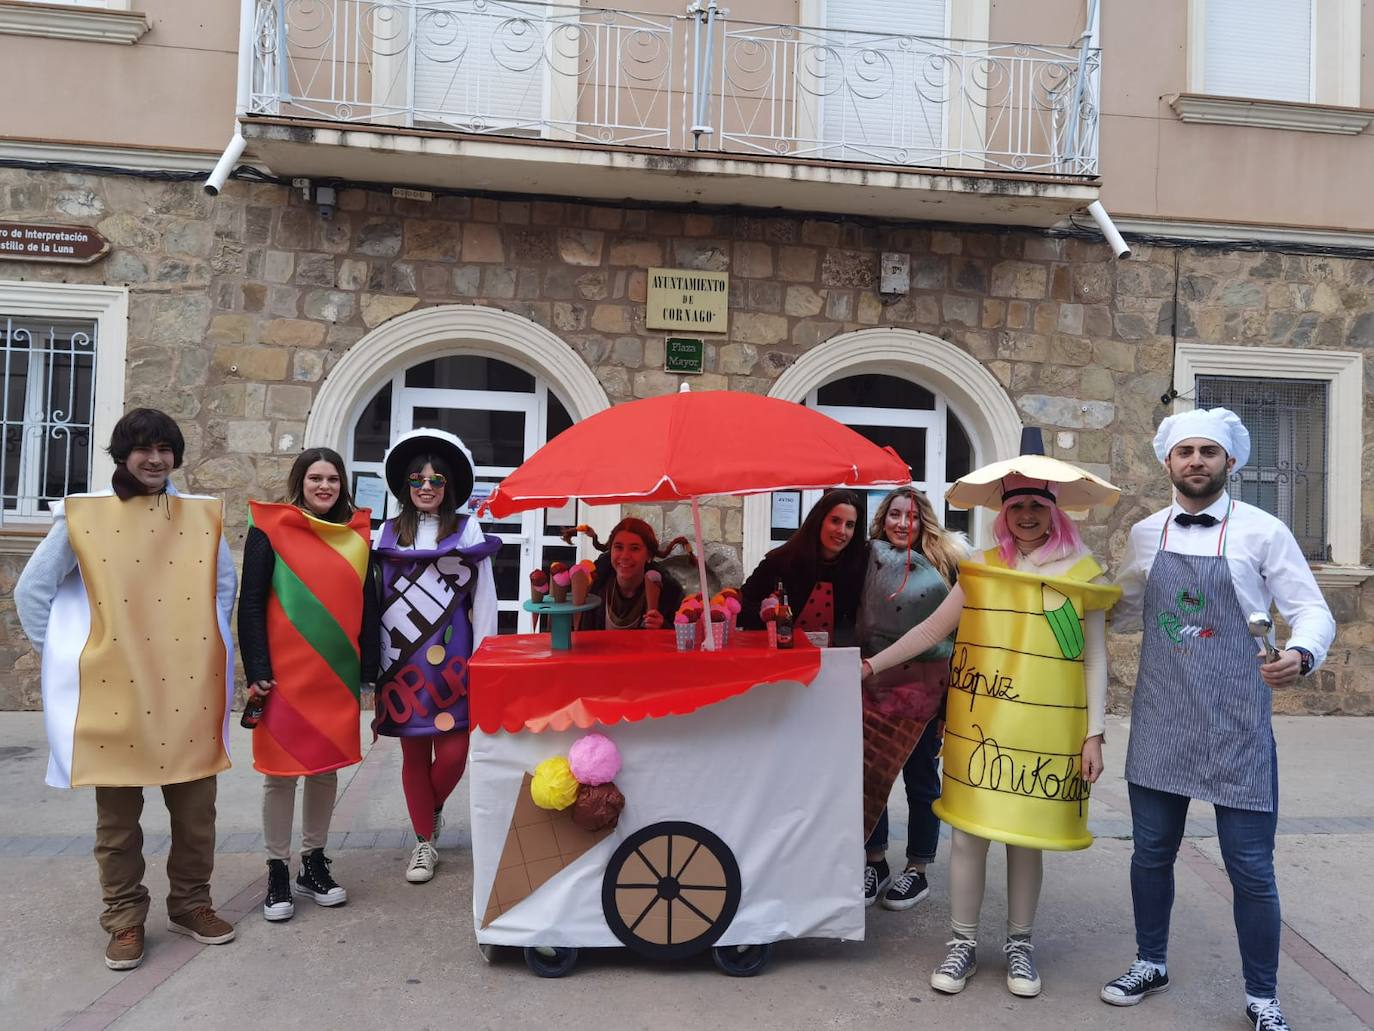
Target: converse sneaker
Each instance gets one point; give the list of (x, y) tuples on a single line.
[(314, 881), (278, 904), (1141, 980), (438, 825), (125, 950), (422, 862), (1022, 978), (961, 963), (877, 877), (203, 925), (908, 888), (1267, 1017)]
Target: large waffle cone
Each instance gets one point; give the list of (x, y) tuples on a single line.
[(888, 744), (539, 843)]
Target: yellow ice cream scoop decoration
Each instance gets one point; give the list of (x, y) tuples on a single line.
[(553, 785), (1018, 713)]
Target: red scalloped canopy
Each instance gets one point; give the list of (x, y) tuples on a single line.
[(520, 683)]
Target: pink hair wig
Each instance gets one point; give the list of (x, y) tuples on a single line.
[(1063, 540)]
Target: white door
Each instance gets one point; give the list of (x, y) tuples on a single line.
[(503, 414), (895, 413)]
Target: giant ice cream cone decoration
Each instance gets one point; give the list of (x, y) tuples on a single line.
[(1017, 713), (653, 589)]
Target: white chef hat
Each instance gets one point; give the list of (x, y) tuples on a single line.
[(1218, 424)]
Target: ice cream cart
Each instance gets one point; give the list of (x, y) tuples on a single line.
[(740, 774)]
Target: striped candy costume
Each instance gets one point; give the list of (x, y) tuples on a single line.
[(314, 617)]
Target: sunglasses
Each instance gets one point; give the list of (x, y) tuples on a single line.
[(436, 481)]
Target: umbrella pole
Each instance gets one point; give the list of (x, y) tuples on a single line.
[(701, 572)]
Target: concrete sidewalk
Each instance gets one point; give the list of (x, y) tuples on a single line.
[(401, 955)]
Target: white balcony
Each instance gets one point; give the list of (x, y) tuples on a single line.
[(542, 98)]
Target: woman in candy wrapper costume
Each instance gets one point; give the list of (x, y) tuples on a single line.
[(438, 603), (635, 591), (306, 577), (821, 567), (1039, 553), (912, 564)]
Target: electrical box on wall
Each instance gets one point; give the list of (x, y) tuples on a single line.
[(894, 273)]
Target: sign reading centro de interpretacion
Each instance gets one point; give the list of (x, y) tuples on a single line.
[(74, 245), (683, 298)]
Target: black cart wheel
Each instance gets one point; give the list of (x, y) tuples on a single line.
[(742, 960), (547, 961), (670, 890)]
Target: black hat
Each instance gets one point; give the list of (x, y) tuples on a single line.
[(439, 444)]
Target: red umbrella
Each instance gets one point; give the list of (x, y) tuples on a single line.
[(685, 445)]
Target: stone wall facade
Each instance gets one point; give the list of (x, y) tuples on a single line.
[(240, 305)]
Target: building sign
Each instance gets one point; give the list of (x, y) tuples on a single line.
[(684, 355), (683, 298), (74, 245)]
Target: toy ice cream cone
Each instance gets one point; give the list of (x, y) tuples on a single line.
[(539, 844), (653, 588), (539, 585), (559, 582)]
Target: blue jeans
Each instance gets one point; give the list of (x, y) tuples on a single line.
[(1247, 849), (921, 775)]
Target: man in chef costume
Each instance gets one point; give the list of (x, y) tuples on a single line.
[(1193, 574)]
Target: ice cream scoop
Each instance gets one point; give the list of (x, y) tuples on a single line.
[(1260, 626), (554, 786), (594, 759), (598, 806), (561, 579)]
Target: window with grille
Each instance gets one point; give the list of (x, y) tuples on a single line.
[(1286, 473), (47, 411)]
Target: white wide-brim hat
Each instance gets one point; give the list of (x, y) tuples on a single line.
[(437, 443)]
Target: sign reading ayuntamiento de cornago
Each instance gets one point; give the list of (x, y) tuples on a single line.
[(681, 298)]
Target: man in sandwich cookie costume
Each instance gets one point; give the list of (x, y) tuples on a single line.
[(1194, 573), (128, 599)]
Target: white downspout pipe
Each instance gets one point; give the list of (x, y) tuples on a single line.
[(1119, 246), (237, 144)]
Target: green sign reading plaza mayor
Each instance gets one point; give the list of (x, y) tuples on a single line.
[(684, 355)]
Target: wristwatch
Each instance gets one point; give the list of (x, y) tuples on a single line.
[(1307, 660)]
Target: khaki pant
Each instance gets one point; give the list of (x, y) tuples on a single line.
[(278, 812), (119, 850)]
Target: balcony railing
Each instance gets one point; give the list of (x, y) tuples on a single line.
[(697, 82)]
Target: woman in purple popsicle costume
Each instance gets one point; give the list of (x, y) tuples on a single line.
[(438, 603)]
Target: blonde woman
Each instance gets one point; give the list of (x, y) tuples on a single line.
[(912, 564)]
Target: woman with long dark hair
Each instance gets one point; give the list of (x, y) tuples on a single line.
[(625, 578), (913, 562), (438, 603), (821, 567), (306, 576)]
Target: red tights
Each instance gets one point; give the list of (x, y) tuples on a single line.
[(430, 769)]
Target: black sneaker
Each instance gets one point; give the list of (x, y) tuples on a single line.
[(314, 881), (278, 904), (1141, 980), (877, 877), (908, 888), (1267, 1017)]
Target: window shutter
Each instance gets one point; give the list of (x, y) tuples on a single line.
[(1258, 48), (481, 67), (872, 104)]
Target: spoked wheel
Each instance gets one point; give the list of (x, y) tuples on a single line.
[(548, 961), (742, 960), (670, 890)]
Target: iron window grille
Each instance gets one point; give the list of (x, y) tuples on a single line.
[(1286, 473), (46, 413)]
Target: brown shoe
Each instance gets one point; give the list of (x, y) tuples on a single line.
[(125, 950), (203, 925)]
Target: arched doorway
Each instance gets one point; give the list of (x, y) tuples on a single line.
[(937, 406), (500, 382)]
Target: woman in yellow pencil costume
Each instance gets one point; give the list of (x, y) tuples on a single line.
[(1027, 698)]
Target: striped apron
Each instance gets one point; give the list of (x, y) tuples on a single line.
[(1200, 721)]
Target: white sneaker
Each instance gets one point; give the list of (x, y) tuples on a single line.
[(422, 862)]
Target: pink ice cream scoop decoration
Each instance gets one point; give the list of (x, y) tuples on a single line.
[(594, 759)]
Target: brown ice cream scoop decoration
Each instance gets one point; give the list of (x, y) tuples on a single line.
[(597, 807)]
